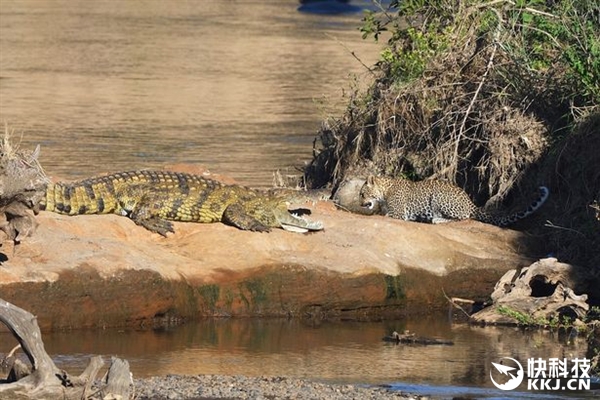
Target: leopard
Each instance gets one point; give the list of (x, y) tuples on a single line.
[(434, 201)]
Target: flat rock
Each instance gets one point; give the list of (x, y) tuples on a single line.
[(103, 270)]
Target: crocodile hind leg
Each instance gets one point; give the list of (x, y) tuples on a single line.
[(154, 224), (146, 215), (135, 203), (236, 215)]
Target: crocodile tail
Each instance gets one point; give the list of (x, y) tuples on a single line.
[(500, 220), (77, 199), (57, 199), (46, 202)]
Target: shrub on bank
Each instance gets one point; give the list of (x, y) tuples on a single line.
[(481, 93)]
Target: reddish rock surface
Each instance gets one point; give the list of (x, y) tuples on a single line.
[(105, 271)]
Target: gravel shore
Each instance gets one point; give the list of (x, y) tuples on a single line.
[(176, 387)]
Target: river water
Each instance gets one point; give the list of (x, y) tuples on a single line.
[(350, 352), (240, 87)]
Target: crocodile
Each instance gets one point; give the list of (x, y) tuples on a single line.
[(152, 199)]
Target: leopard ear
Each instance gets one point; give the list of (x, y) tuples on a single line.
[(371, 180)]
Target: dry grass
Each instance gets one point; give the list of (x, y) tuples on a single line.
[(478, 116), (22, 182), (453, 124), (20, 170)]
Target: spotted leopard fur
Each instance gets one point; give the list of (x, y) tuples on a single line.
[(433, 201)]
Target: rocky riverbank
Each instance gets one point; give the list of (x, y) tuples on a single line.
[(198, 387), (360, 267)]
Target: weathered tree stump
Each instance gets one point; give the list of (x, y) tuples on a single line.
[(545, 291), (44, 380), (118, 380), (24, 327)]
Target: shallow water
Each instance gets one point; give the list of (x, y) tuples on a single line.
[(238, 86), (334, 352)]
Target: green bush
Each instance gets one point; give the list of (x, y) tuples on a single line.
[(555, 44), (491, 95)]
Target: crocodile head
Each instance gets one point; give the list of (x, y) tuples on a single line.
[(274, 213), (295, 223)]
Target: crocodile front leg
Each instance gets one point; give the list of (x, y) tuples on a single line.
[(236, 215)]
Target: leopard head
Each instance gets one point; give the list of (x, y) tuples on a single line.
[(372, 193)]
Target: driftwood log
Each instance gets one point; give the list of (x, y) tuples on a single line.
[(43, 380), (411, 338), (547, 290)]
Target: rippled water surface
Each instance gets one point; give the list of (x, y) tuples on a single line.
[(336, 352), (238, 86)]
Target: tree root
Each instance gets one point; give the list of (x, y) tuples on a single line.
[(44, 379)]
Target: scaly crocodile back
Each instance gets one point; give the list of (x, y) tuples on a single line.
[(506, 220), (98, 195)]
